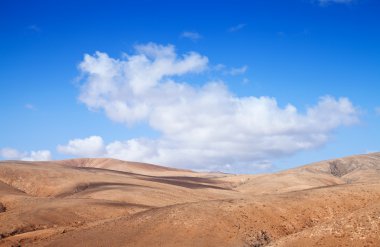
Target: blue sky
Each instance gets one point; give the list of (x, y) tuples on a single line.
[(293, 52)]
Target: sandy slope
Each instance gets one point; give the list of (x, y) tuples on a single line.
[(107, 202)]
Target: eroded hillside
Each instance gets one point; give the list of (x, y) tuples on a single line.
[(106, 202)]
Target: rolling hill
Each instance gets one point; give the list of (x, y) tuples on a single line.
[(108, 202)]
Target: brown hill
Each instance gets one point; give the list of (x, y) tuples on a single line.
[(107, 202)]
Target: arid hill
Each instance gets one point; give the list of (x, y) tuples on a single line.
[(107, 202)]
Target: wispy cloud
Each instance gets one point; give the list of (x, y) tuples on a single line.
[(194, 36), (238, 71), (237, 27), (225, 70)]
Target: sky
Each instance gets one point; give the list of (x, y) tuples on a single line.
[(234, 86)]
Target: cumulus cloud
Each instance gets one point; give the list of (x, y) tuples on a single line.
[(40, 155), (122, 88), (14, 154), (91, 146), (199, 126), (194, 36)]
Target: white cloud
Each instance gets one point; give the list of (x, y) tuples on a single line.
[(40, 155), (122, 87), (14, 154), (89, 147), (204, 126), (194, 36), (10, 153), (237, 27)]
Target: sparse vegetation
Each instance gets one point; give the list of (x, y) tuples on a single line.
[(107, 202)]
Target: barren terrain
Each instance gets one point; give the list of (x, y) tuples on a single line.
[(107, 202)]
